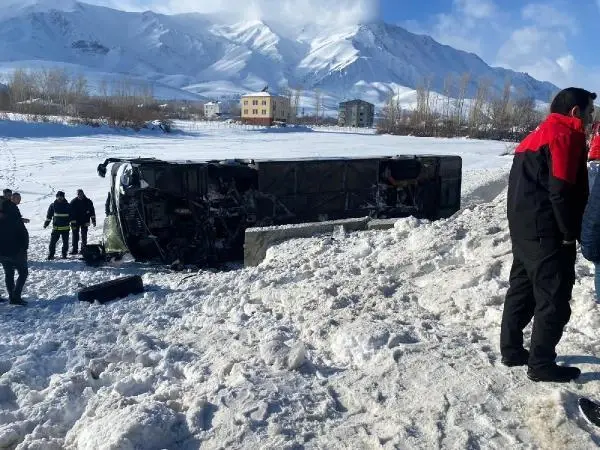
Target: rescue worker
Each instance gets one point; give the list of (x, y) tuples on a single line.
[(547, 194), (59, 212), (14, 242), (16, 199), (82, 212)]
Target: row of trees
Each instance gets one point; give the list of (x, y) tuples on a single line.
[(122, 102), (486, 115), (318, 115), (466, 107)]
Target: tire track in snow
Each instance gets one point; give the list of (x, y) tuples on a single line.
[(49, 189), (8, 166), (483, 192)]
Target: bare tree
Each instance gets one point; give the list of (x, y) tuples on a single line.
[(289, 93), (103, 88), (390, 115), (4, 98), (477, 114), (143, 92), (500, 109), (459, 108), (235, 111), (318, 104), (423, 115), (446, 110), (524, 115), (78, 89), (296, 102), (22, 86), (54, 86)]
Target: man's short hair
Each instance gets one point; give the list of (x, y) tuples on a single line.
[(16, 194), (7, 192), (569, 98)]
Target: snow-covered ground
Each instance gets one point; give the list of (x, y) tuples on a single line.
[(384, 339)]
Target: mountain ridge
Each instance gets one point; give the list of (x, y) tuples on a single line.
[(212, 55)]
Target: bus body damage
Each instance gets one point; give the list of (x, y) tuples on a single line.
[(197, 212)]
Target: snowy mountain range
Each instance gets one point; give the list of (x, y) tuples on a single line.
[(210, 56)]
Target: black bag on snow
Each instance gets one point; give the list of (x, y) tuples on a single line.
[(93, 254), (113, 289)]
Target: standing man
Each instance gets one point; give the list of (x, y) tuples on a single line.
[(16, 199), (14, 242), (547, 194), (59, 212), (7, 206), (82, 212)]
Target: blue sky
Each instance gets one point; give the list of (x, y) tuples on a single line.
[(551, 40)]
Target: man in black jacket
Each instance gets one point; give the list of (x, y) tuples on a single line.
[(14, 242), (16, 199), (59, 212), (547, 194), (82, 212)]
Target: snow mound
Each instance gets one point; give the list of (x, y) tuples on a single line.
[(118, 423)]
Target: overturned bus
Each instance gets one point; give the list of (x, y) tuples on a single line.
[(196, 213)]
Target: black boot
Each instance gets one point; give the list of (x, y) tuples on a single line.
[(558, 374), (73, 252), (520, 359), (17, 300)]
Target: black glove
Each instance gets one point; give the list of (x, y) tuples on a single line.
[(94, 221), (46, 223)]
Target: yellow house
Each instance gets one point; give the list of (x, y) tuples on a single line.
[(263, 108)]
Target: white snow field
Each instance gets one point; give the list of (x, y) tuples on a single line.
[(382, 339)]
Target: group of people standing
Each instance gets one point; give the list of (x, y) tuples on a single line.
[(550, 209), (75, 216), (66, 217)]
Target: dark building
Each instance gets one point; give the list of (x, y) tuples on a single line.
[(356, 113), (4, 96)]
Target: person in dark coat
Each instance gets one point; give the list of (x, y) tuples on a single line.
[(14, 242), (590, 228), (547, 194), (59, 212), (16, 199), (82, 213)]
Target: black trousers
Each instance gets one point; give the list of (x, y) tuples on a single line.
[(54, 237), (541, 282), (10, 265), (84, 233)]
